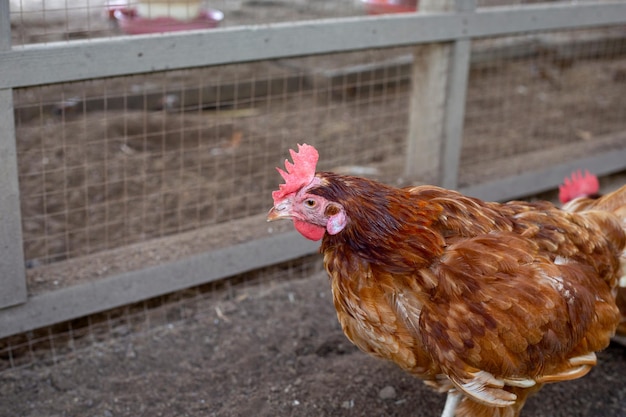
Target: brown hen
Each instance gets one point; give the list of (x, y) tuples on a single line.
[(484, 301)]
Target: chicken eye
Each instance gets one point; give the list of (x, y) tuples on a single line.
[(310, 203)]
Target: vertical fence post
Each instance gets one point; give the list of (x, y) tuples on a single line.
[(12, 271), (437, 103)]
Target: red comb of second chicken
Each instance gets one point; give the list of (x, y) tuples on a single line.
[(298, 174), (578, 185)]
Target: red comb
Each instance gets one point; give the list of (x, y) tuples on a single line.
[(578, 186), (298, 174)]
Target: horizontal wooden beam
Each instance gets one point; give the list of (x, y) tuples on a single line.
[(38, 64), (336, 79)]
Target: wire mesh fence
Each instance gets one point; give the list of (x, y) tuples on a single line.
[(121, 173), (542, 98), (118, 161)]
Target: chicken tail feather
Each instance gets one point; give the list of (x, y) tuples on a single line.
[(484, 388)]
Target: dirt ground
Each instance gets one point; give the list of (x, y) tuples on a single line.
[(273, 350)]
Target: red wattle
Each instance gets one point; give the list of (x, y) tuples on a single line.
[(308, 230)]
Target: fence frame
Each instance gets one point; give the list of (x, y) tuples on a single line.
[(31, 65)]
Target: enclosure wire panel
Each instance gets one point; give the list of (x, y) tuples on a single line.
[(113, 162), (542, 99)]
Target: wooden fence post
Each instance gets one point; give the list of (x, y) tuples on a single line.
[(437, 103), (12, 271)]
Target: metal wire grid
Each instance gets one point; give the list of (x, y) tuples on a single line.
[(56, 343), (543, 98), (111, 162)]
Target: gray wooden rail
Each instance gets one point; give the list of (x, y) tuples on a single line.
[(433, 32)]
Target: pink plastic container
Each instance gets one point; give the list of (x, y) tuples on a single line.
[(133, 24), (390, 6)]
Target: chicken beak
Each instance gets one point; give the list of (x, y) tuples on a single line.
[(281, 210)]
